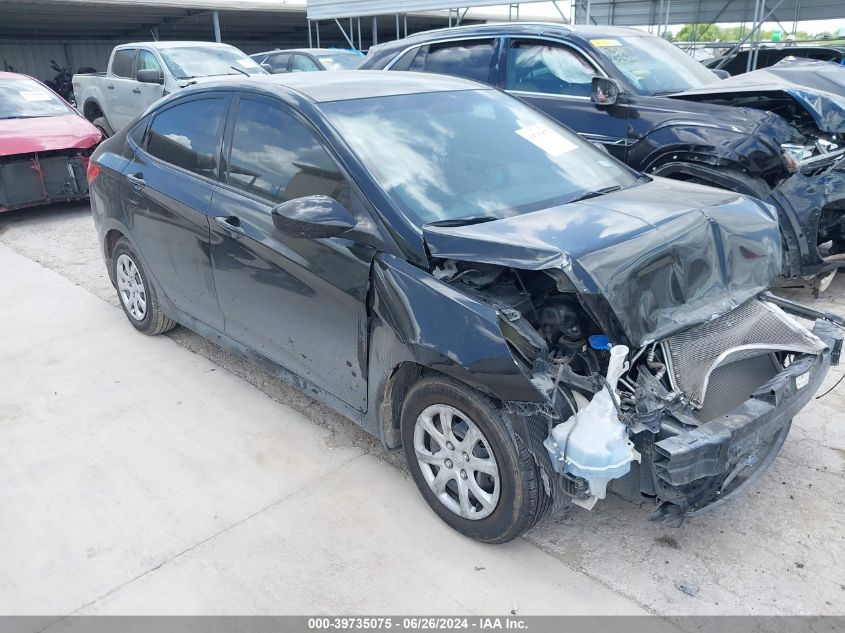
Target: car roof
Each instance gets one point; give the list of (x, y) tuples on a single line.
[(313, 51), (343, 85), (174, 44), (527, 28)]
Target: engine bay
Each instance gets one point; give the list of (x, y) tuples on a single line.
[(627, 410)]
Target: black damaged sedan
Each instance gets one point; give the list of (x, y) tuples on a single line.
[(531, 321)]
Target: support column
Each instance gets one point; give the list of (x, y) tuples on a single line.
[(215, 17)]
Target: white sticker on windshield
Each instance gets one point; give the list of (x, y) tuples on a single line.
[(35, 95), (248, 63), (546, 139)]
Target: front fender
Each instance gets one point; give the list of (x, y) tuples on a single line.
[(446, 330), (710, 146), (805, 196)]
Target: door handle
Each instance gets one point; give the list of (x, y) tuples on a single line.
[(137, 91), (137, 180), (231, 223), (110, 86)]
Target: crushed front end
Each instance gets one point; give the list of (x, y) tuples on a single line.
[(43, 177), (667, 372), (694, 418)]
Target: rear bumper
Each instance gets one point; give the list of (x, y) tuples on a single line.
[(714, 447), (35, 179)]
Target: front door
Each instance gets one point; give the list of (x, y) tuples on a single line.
[(557, 79), (300, 303), (167, 191), (146, 94)]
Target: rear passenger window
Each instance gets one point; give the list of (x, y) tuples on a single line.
[(276, 157), (470, 59), (136, 134), (187, 135), (123, 61)]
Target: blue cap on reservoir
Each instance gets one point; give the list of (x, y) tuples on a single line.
[(599, 341)]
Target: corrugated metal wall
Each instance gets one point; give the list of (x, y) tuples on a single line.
[(33, 58)]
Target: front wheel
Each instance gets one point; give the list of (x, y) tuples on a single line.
[(479, 479)]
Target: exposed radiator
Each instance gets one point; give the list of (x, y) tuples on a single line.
[(754, 329)]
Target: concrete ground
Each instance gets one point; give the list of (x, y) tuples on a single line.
[(164, 475)]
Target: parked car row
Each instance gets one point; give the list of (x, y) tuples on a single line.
[(537, 261)]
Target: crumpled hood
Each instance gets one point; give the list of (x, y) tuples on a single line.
[(819, 87), (663, 256), (43, 134)]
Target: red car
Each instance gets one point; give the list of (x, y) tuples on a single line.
[(44, 145)]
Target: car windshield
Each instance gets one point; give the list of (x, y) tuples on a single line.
[(472, 155), (653, 65), (25, 98), (187, 62), (340, 61)]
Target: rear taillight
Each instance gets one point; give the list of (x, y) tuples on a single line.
[(92, 172)]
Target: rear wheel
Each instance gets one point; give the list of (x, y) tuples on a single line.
[(479, 479), (101, 124), (135, 292)]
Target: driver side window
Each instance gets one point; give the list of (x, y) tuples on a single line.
[(275, 157), (147, 61), (549, 68)]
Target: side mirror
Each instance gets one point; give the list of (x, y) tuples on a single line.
[(268, 68), (721, 73), (149, 76), (604, 91), (312, 217)]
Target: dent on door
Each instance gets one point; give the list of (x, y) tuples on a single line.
[(300, 303)]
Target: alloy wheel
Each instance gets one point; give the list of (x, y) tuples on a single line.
[(131, 288), (456, 461)]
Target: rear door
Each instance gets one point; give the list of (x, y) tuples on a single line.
[(557, 78), (167, 191), (120, 100), (300, 303)]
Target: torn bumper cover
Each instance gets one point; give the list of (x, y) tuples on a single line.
[(42, 178)]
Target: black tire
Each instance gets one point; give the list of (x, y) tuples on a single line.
[(154, 321), (522, 498), (101, 124)]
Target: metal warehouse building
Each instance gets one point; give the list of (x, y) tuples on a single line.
[(82, 33)]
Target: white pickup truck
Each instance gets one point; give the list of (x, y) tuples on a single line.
[(141, 73)]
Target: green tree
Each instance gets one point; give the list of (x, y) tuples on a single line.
[(699, 33)]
